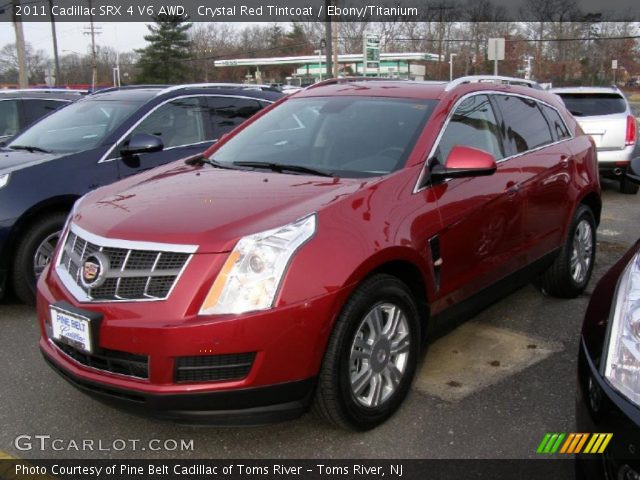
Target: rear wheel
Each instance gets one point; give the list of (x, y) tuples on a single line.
[(34, 253), (628, 187), (569, 274), (371, 357)]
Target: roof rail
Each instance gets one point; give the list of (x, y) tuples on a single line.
[(335, 81), (492, 79), (43, 90), (239, 86), (130, 87)]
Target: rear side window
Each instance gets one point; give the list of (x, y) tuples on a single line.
[(9, 120), (524, 125), (35, 109), (557, 124), (473, 124), (593, 104), (227, 112), (177, 123)]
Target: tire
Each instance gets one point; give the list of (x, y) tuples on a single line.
[(24, 275), (363, 406), (568, 276), (627, 187)]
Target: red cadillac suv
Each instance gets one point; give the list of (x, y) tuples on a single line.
[(305, 257)]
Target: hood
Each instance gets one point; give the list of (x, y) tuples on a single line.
[(204, 206), (11, 160)]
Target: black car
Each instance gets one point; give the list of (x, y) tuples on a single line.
[(609, 368), (21, 108), (104, 137)]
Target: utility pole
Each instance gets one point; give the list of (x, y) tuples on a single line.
[(55, 44), (116, 71), (328, 39), (336, 65), (451, 57), (23, 78), (94, 58)]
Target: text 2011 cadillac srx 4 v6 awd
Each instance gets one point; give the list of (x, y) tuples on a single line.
[(305, 257)]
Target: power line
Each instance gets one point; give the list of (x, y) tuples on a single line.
[(513, 40)]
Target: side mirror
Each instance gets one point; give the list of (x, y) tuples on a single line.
[(141, 143), (464, 162), (633, 173)]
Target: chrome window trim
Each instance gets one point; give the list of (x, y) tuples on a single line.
[(81, 296), (418, 189), (105, 159)]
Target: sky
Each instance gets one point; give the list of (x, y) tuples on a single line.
[(123, 36)]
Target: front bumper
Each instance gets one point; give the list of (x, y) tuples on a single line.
[(601, 409), (288, 342), (248, 406)]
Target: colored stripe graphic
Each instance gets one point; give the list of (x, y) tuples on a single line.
[(573, 443), (608, 438), (568, 442), (543, 443), (550, 443)]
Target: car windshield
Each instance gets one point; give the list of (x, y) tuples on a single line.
[(347, 136), (80, 126), (593, 104)]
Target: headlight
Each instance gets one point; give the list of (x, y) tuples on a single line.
[(622, 367), (250, 277), (65, 231), (4, 179)]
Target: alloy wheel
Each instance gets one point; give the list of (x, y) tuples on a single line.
[(379, 355), (44, 253), (582, 253)]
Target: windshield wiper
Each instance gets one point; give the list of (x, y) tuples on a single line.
[(29, 148), (201, 160), (282, 167)]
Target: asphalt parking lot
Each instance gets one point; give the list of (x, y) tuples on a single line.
[(490, 389)]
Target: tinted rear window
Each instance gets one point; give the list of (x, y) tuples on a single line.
[(593, 104), (524, 125)]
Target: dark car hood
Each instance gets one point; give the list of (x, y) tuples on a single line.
[(11, 160), (205, 206)]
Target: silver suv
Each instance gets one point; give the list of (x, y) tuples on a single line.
[(605, 115)]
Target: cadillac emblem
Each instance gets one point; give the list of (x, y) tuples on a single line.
[(94, 270)]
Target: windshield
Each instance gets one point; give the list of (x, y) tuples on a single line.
[(346, 136), (593, 104), (77, 127)]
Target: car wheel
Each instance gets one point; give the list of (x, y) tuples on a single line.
[(569, 274), (371, 357), (628, 187), (34, 253)]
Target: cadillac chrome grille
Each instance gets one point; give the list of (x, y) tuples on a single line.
[(129, 273)]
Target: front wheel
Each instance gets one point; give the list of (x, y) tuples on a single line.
[(569, 274), (371, 357), (34, 253)]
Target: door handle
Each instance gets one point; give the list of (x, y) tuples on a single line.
[(564, 160), (512, 188)]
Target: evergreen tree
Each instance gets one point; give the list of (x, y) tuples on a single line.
[(162, 61)]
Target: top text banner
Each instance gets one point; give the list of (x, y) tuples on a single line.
[(589, 11)]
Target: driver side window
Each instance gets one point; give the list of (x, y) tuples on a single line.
[(177, 123), (473, 124)]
